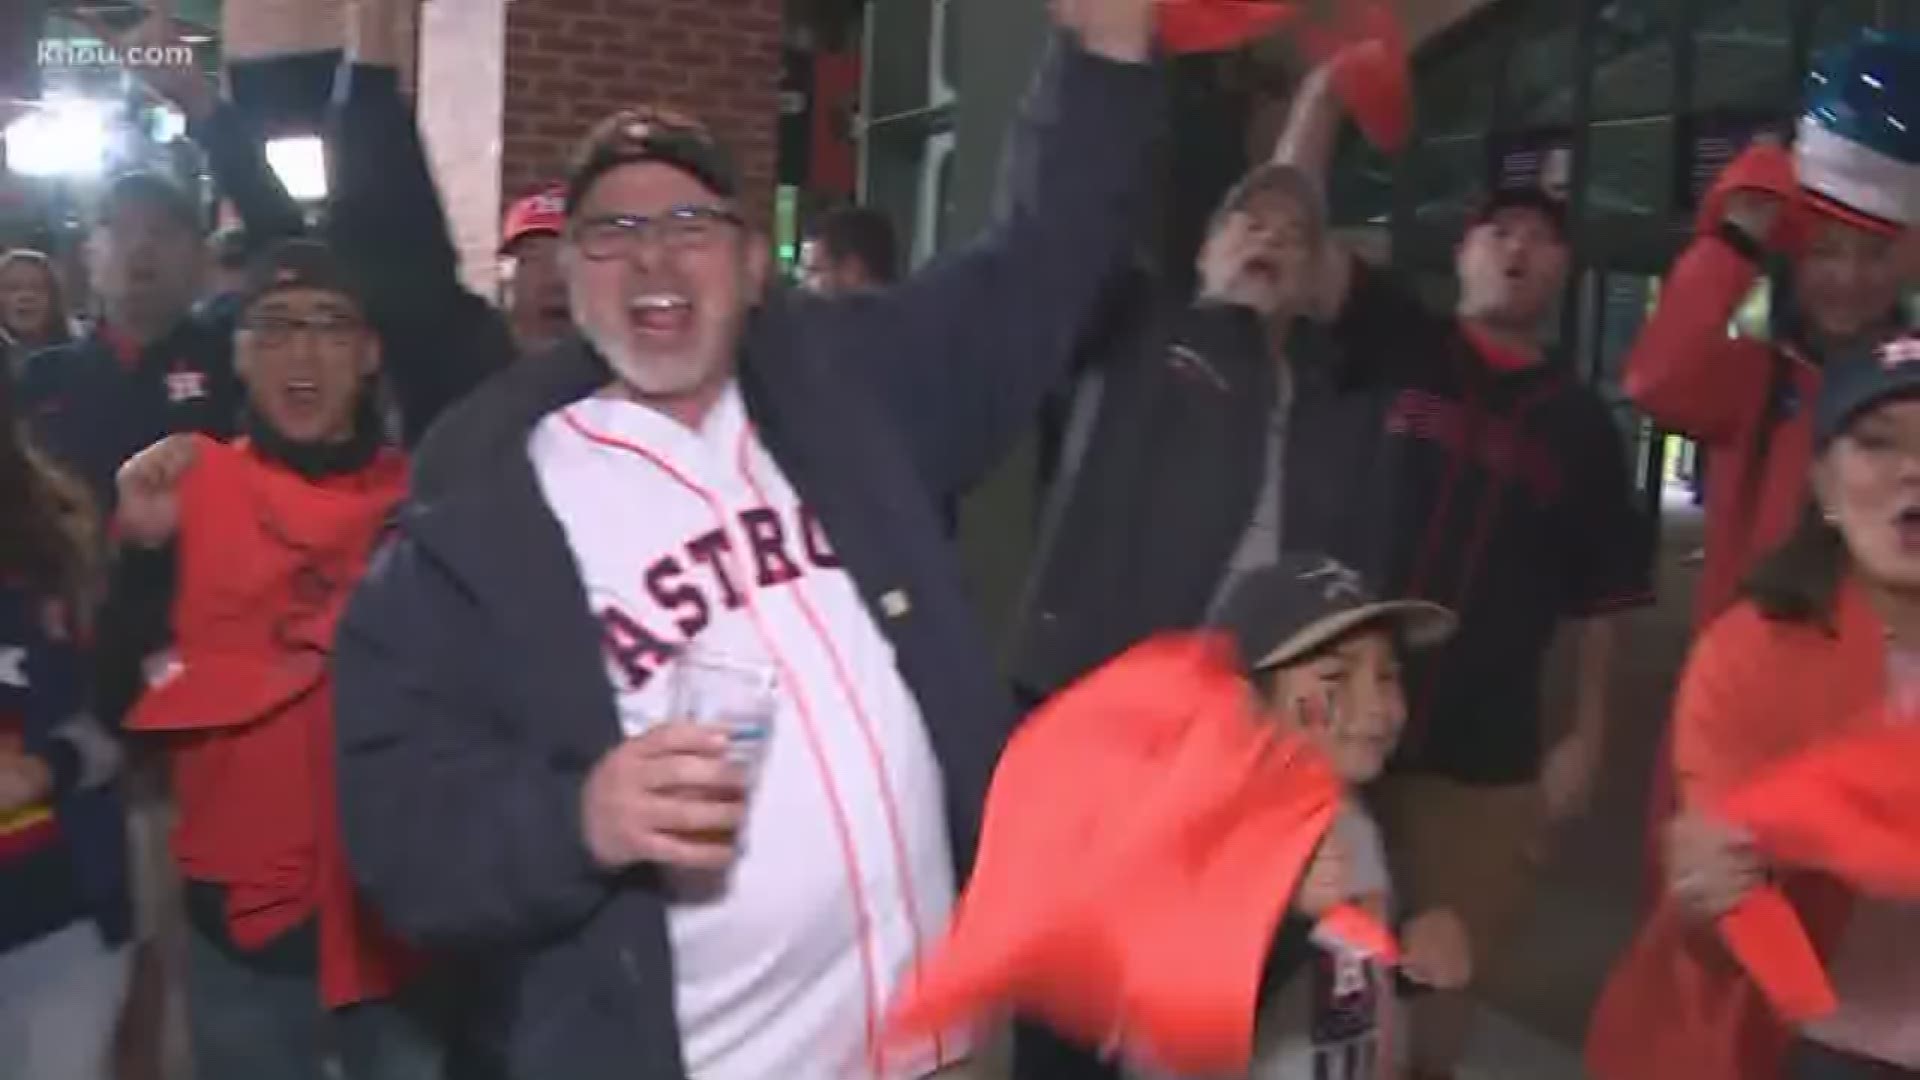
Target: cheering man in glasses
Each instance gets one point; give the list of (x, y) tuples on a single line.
[(237, 561), (534, 779)]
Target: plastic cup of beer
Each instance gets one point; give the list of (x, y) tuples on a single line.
[(738, 695)]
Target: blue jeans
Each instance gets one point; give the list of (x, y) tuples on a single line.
[(60, 997), (253, 1022), (1812, 1061)]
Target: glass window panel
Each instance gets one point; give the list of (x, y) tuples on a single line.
[(1361, 188), (1455, 97), (1743, 55), (1540, 82), (1836, 21), (1448, 178), (1626, 301), (901, 34), (1630, 168), (1633, 58)]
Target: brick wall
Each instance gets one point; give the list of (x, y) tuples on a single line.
[(571, 62)]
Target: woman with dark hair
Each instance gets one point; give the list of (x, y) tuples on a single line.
[(33, 310), (64, 909), (1824, 645)]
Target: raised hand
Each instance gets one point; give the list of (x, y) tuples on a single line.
[(148, 484), (157, 35)]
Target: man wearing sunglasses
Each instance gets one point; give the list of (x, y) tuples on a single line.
[(758, 474)]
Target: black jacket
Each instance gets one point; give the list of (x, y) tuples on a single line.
[(385, 222), (1501, 494), (1153, 495), (471, 695)]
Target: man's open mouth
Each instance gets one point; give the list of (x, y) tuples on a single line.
[(661, 313)]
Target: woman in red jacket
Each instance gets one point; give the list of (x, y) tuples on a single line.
[(1827, 645)]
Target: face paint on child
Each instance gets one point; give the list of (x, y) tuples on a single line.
[(1347, 699)]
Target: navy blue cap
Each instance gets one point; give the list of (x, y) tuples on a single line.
[(1852, 385)]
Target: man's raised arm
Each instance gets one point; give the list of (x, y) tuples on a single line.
[(965, 351)]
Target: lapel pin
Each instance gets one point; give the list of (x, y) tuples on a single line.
[(896, 604)]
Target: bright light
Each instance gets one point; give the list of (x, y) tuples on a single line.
[(168, 125), (64, 137), (301, 164)]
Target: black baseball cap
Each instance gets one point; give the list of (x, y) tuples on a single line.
[(151, 190), (654, 134), (1522, 197), (297, 264), (1283, 613), (1853, 384)]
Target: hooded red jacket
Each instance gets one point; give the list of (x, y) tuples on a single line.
[(1782, 729), (266, 562), (1693, 379)]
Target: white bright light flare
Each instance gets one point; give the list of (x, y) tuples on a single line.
[(301, 165), (64, 137)]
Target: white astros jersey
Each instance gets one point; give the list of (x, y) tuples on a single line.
[(845, 874)]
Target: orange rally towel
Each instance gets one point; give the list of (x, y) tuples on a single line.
[(1199, 26), (1848, 809), (1373, 81), (1144, 834)]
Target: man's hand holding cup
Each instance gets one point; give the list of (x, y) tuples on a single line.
[(672, 796)]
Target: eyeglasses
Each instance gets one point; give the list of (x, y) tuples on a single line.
[(277, 332), (684, 228)]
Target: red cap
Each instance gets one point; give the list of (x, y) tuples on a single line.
[(543, 213)]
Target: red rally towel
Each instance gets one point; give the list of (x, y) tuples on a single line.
[(1848, 810), (1144, 834), (1373, 80)]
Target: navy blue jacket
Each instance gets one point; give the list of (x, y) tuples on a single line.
[(96, 402), (82, 874), (471, 696)]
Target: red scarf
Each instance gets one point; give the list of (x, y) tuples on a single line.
[(267, 560)]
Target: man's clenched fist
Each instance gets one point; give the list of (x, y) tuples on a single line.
[(670, 797), (148, 484)]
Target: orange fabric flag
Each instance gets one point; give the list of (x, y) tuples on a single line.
[(1200, 26), (1143, 836), (1848, 810), (1373, 80)]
